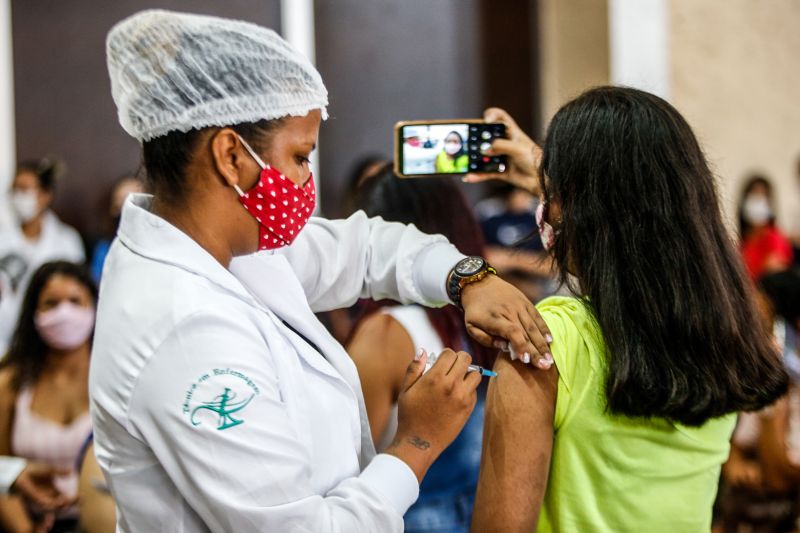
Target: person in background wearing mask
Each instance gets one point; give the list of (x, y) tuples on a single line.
[(764, 247), (44, 397), (220, 402), (119, 192), (453, 158), (38, 237)]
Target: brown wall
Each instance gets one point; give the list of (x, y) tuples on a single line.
[(63, 97), (392, 60), (383, 61)]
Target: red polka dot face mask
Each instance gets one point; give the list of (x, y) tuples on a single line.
[(281, 207)]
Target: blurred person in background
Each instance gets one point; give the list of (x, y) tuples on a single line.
[(44, 398), (39, 236), (388, 336), (631, 431), (119, 191), (513, 245), (764, 247), (761, 478), (453, 158)]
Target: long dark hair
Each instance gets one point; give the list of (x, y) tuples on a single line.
[(433, 205), (755, 180), (28, 351), (641, 229)]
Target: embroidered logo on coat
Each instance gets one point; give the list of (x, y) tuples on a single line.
[(220, 394)]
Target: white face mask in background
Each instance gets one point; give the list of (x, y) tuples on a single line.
[(452, 148), (756, 210), (25, 204)]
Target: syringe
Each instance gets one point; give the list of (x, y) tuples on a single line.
[(432, 357)]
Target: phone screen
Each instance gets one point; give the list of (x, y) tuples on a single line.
[(448, 148)]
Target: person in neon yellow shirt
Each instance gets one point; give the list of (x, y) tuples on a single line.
[(453, 158), (657, 350)]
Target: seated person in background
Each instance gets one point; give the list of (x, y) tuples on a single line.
[(44, 397), (121, 189), (453, 158), (762, 475), (765, 248), (388, 335), (39, 236), (629, 434)]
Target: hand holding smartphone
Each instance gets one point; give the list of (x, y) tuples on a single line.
[(446, 147)]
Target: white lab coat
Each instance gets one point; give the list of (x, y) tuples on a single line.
[(211, 414)]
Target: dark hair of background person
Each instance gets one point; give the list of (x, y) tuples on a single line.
[(363, 167), (433, 205), (755, 180), (167, 157), (642, 231), (783, 291), (47, 171), (462, 151), (28, 351)]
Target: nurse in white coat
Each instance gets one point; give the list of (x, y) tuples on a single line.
[(220, 402)]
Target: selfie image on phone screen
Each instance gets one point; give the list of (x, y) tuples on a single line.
[(444, 148), (435, 149)]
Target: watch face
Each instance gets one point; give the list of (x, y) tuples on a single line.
[(469, 266)]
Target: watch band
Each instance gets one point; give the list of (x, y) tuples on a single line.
[(456, 282)]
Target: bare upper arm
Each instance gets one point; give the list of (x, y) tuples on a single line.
[(517, 446), (381, 349), (7, 402)]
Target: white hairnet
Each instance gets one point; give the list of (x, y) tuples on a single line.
[(175, 71)]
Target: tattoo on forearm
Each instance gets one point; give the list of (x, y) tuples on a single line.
[(419, 443), (415, 441)]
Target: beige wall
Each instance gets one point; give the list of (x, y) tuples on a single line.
[(736, 77), (574, 50)]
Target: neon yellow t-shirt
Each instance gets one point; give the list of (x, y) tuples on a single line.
[(614, 473), (445, 165)]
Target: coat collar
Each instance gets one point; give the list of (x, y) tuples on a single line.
[(149, 235)]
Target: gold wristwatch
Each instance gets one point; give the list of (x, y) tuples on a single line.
[(468, 270)]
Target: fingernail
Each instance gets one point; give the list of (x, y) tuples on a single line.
[(548, 338), (419, 355), (548, 357), (513, 355), (526, 358), (544, 364)]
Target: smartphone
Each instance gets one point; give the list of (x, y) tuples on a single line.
[(425, 148)]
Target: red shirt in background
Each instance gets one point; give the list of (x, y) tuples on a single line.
[(763, 244)]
